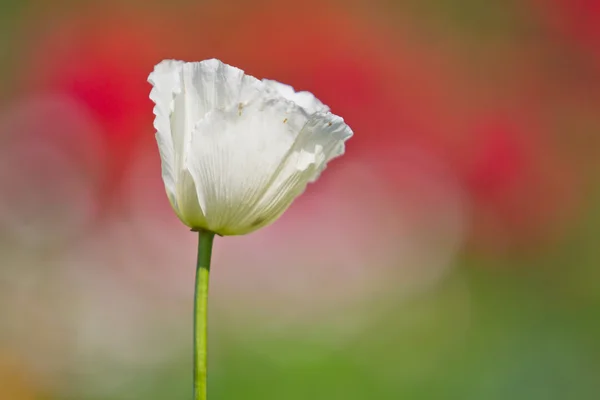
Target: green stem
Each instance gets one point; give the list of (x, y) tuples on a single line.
[(205, 242)]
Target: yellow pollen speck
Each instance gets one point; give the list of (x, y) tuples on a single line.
[(240, 108), (285, 120)]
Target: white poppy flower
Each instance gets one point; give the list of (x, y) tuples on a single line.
[(236, 151)]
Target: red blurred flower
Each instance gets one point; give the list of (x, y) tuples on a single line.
[(581, 18), (336, 53), (575, 19), (523, 190), (102, 58), (395, 91), (498, 158)]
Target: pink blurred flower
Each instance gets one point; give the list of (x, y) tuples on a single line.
[(52, 161), (522, 190)]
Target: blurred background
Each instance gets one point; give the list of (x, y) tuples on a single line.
[(451, 254)]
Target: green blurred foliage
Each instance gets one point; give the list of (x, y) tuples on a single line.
[(10, 17)]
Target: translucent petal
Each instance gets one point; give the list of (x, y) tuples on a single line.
[(306, 100), (249, 166), (327, 132), (321, 140), (236, 154)]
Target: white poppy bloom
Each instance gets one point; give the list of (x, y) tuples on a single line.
[(236, 151)]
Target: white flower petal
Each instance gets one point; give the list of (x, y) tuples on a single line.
[(329, 132), (321, 140), (306, 100), (249, 166), (184, 93), (210, 85), (165, 80), (235, 155), (237, 151)]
